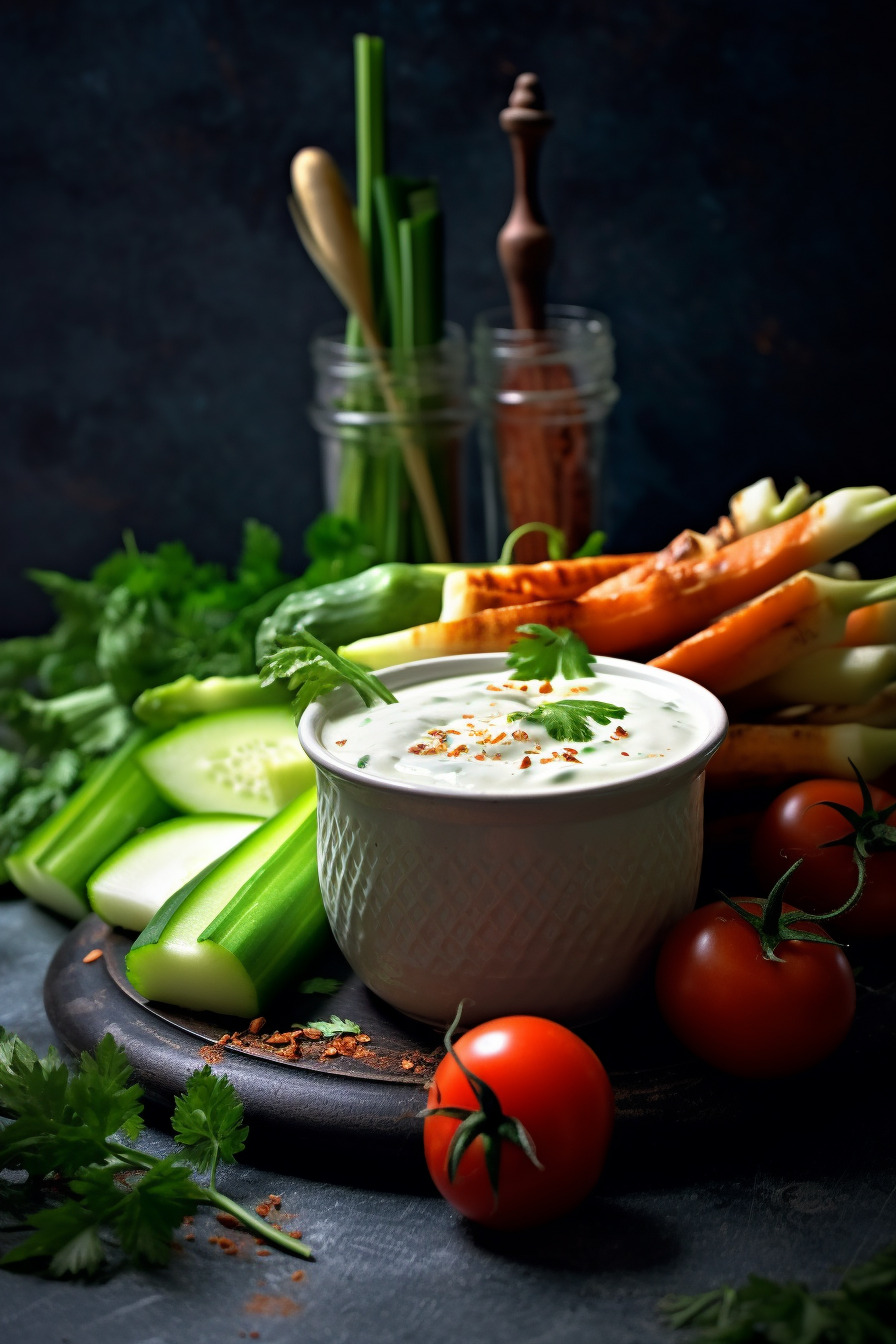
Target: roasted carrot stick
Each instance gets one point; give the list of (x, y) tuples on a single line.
[(470, 590), (875, 624), (760, 638), (763, 753), (668, 603)]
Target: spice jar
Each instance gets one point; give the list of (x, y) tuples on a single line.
[(393, 425), (543, 398)]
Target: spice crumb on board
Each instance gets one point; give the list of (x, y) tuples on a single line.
[(93, 955), (310, 1044), (212, 1054)]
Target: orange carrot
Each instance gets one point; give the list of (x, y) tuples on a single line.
[(752, 564), (467, 591), (804, 613), (875, 624), (668, 603)]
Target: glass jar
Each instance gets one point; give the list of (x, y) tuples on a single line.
[(543, 399), (392, 426)]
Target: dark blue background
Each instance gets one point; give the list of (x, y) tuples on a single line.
[(717, 180)]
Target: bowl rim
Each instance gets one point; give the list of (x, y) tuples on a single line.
[(664, 774)]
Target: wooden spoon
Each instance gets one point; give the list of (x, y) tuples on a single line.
[(321, 210)]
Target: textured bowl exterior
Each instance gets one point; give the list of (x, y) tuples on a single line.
[(548, 905)]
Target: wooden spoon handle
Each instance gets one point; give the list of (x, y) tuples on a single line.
[(526, 244)]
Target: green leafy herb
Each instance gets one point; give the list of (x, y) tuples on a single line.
[(862, 1310), (64, 1124), (567, 720), (336, 1026), (542, 654), (592, 545), (310, 669), (319, 984)]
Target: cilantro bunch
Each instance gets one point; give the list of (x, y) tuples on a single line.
[(65, 1125)]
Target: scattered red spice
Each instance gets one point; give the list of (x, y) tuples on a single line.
[(297, 1275), (520, 736), (525, 763), (493, 688), (262, 1252), (468, 716), (256, 1026), (212, 1054), (228, 1220), (262, 1210), (545, 688), (623, 753), (480, 756), (93, 955), (341, 741), (264, 1304)]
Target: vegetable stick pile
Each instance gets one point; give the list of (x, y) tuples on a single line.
[(805, 662)]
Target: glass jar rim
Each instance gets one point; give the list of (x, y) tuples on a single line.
[(565, 317), (329, 339)]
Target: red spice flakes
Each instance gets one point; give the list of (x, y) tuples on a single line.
[(417, 749), (228, 1220), (261, 1304), (279, 1038), (262, 1210), (256, 1026), (480, 756), (223, 1040), (275, 1201), (262, 1252), (520, 736), (619, 731), (468, 716), (190, 1236), (459, 749), (297, 1275), (212, 1054), (296, 1236), (93, 955), (495, 740), (623, 753), (341, 741), (525, 763), (545, 688), (546, 760), (493, 688)]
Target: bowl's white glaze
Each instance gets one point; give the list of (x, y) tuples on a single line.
[(548, 904)]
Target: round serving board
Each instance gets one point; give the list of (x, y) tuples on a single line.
[(346, 1116)]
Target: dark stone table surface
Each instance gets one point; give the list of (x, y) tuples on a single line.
[(804, 1186)]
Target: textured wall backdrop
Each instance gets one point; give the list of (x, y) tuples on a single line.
[(717, 181)]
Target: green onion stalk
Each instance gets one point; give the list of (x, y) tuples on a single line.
[(400, 224)]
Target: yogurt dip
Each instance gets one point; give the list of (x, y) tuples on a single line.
[(539, 888), (466, 733)]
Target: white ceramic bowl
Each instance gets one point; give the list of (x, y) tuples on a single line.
[(548, 903)]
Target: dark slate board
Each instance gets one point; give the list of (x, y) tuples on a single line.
[(349, 1116)]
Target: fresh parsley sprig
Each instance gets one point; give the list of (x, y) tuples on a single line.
[(65, 1123), (568, 720), (310, 668), (862, 1308), (542, 654)]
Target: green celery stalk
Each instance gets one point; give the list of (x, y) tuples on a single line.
[(53, 863), (390, 199), (227, 940), (370, 144)]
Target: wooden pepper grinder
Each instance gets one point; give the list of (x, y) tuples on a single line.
[(526, 244)]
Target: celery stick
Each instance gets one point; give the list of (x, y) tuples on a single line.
[(370, 148), (827, 677), (54, 862), (187, 698), (389, 195), (226, 940), (136, 881)]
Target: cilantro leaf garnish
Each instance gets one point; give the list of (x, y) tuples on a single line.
[(542, 654), (567, 720), (207, 1120), (320, 984), (65, 1123), (336, 1026), (310, 668)]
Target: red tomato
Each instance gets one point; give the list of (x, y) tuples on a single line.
[(743, 1013), (554, 1084), (793, 827)]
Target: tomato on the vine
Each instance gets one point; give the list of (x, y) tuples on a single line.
[(547, 1079), (747, 1013), (796, 825)]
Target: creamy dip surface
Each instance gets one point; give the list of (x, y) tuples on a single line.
[(454, 733)]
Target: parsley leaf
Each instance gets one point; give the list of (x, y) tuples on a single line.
[(542, 654), (310, 668), (336, 1026), (207, 1120), (319, 984), (64, 1124), (567, 720)]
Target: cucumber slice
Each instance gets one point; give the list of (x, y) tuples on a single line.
[(135, 881), (53, 863), (228, 939), (218, 763), (165, 706)]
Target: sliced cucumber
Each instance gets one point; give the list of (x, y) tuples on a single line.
[(53, 863), (219, 763), (228, 939), (176, 701), (136, 881)]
